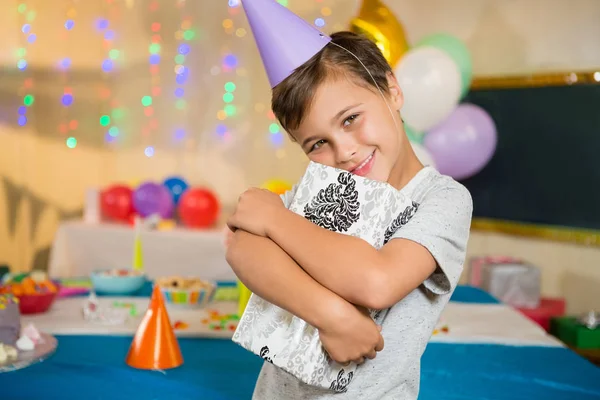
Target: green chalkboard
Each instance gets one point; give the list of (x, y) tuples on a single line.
[(546, 168)]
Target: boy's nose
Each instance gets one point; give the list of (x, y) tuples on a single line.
[(344, 154)]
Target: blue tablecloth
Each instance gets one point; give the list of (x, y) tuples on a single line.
[(93, 367)]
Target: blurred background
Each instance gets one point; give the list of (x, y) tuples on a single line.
[(103, 100)]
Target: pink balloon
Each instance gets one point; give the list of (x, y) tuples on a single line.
[(464, 143)]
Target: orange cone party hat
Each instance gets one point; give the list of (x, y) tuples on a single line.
[(155, 345)]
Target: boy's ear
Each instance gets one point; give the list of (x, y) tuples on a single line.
[(395, 91)]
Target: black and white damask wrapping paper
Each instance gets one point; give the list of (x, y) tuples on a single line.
[(341, 202)]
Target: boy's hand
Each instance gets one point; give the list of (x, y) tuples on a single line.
[(255, 210), (353, 336)]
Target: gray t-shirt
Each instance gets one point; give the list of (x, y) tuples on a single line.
[(441, 224)]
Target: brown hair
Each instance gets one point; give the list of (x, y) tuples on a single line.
[(293, 96)]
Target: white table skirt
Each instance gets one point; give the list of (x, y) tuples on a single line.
[(79, 248)]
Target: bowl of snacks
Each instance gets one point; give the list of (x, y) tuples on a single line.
[(36, 293), (117, 281), (186, 292)]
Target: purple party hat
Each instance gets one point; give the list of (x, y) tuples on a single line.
[(285, 41)]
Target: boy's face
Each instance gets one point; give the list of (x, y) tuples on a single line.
[(350, 127)]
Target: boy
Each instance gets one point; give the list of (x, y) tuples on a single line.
[(341, 104)]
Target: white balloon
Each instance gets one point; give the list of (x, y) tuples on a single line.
[(431, 83), (423, 154)]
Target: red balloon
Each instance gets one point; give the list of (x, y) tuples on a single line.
[(116, 203), (198, 208)]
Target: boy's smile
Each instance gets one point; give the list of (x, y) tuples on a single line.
[(364, 167)]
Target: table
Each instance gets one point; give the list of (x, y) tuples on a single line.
[(79, 248), (93, 367)]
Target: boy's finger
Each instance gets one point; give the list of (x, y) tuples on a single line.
[(379, 345), (359, 361)]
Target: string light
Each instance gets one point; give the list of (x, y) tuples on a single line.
[(154, 63), (109, 64), (184, 35), (67, 125), (27, 16), (158, 98)]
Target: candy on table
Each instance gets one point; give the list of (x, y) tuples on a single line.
[(131, 306), (443, 329), (180, 325), (220, 322), (7, 298)]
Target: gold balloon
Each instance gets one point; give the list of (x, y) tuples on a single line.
[(378, 23)]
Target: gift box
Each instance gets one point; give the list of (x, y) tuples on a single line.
[(547, 309), (344, 203), (476, 264), (510, 280), (570, 331)]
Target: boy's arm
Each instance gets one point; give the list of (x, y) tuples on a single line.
[(347, 333), (350, 266), (361, 274), (270, 273)]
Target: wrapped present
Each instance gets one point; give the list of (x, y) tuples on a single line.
[(547, 309), (342, 202), (511, 280), (574, 332), (476, 264)]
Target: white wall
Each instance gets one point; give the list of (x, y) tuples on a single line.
[(512, 36)]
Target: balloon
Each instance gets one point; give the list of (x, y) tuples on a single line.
[(151, 198), (458, 51), (463, 144), (176, 186), (378, 24), (423, 154), (277, 186), (430, 82), (199, 208), (116, 203), (413, 136)]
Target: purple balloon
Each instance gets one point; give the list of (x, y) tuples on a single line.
[(151, 198), (464, 143)]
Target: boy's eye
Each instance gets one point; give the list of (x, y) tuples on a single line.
[(317, 145), (350, 119)]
